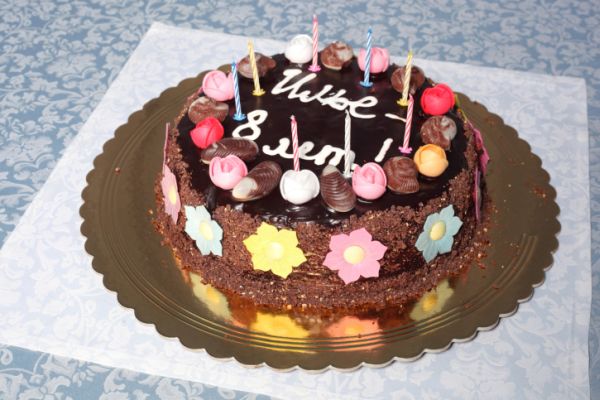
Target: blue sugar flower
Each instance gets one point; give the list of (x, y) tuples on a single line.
[(206, 232), (438, 233)]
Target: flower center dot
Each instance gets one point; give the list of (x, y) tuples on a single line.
[(173, 195), (437, 230), (354, 255), (275, 250), (206, 231)]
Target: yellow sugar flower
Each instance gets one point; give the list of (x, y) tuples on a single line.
[(274, 250)]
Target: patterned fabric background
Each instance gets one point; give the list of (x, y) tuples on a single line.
[(57, 59)]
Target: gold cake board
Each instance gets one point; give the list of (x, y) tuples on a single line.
[(118, 208)]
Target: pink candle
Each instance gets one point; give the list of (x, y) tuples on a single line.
[(405, 149), (295, 143), (314, 67)]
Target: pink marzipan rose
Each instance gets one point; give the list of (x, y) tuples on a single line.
[(227, 172), (369, 181), (218, 86), (380, 60)]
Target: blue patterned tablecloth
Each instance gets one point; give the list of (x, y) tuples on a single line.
[(58, 58)]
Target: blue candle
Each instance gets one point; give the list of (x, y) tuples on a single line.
[(366, 82), (238, 116)]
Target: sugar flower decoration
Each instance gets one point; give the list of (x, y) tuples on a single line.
[(274, 250), (484, 156), (432, 302), (354, 255), (206, 232), (438, 233), (170, 194)]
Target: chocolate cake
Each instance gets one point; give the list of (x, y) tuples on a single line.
[(308, 232)]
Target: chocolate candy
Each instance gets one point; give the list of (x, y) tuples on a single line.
[(263, 65), (417, 79), (245, 149), (336, 191), (204, 107), (401, 174), (337, 55), (259, 182), (439, 130)]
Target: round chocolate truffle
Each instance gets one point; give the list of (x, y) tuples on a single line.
[(204, 107), (263, 65), (337, 55), (439, 130), (417, 79)]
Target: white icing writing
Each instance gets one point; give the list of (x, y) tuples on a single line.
[(336, 100), (384, 149), (255, 118), (319, 158), (394, 116)]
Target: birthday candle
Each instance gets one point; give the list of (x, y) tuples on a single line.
[(407, 126), (258, 91), (238, 116), (406, 82), (347, 160), (365, 82), (295, 143), (314, 67)]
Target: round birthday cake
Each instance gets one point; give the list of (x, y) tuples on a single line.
[(300, 181)]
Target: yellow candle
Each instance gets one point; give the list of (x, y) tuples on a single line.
[(258, 91), (406, 82)]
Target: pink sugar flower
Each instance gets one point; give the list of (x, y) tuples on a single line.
[(484, 156), (170, 194), (354, 255)]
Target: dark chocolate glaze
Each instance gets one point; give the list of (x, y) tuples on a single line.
[(324, 125)]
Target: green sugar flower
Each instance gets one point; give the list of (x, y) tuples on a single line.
[(438, 233), (206, 232)]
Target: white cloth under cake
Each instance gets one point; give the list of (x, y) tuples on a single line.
[(51, 299)]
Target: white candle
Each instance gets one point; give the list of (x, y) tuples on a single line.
[(347, 158)]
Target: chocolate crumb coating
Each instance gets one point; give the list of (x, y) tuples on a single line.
[(204, 107), (439, 130), (337, 55), (401, 174), (404, 275), (417, 79), (263, 65)]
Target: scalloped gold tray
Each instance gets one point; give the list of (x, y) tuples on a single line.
[(118, 209)]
